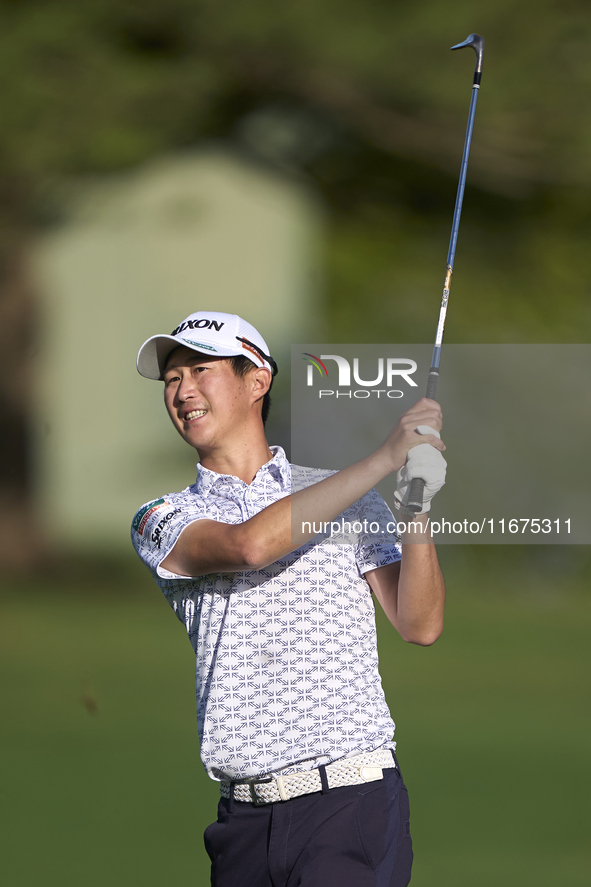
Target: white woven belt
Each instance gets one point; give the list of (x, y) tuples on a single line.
[(365, 767)]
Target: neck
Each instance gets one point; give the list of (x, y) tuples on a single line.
[(242, 460)]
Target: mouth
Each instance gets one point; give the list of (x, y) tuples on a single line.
[(194, 414)]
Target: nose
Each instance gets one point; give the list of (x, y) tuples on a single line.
[(187, 388)]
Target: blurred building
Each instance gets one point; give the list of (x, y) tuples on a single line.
[(135, 255)]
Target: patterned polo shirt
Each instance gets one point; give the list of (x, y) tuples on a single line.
[(287, 667)]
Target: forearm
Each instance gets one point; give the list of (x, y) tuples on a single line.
[(208, 546), (324, 501), (420, 598)]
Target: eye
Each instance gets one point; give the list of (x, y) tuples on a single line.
[(169, 379)]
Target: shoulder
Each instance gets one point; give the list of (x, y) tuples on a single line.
[(143, 514), (302, 476), (157, 525), (162, 510)]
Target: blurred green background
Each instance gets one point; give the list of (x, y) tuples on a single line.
[(361, 105), (102, 782)]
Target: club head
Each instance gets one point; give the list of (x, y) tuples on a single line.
[(477, 44)]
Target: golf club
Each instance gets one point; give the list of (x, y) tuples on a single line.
[(415, 503)]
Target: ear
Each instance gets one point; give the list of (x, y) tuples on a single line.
[(261, 383)]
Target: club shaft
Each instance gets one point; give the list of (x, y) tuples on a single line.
[(462, 182), (415, 503), (453, 240)]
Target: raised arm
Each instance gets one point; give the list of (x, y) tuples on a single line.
[(412, 592), (207, 546)]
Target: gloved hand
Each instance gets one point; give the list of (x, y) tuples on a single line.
[(422, 461)]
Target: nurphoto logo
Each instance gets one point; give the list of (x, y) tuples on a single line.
[(389, 370)]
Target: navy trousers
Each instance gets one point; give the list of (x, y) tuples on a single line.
[(353, 836)]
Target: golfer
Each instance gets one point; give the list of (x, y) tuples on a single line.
[(292, 717)]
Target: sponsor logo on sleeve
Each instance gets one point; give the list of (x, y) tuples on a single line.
[(157, 533), (145, 513)]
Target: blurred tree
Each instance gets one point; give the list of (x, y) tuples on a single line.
[(103, 84)]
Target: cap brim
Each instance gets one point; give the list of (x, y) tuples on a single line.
[(152, 356)]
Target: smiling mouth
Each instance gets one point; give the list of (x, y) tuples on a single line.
[(195, 414)]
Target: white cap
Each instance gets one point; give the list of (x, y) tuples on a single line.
[(210, 332)]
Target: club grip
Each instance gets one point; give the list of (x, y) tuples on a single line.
[(432, 383), (415, 501), (417, 484)]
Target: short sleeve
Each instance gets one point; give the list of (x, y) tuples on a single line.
[(379, 543), (156, 528)]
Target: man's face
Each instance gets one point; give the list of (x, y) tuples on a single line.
[(210, 406)]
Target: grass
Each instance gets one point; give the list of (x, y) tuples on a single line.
[(101, 779)]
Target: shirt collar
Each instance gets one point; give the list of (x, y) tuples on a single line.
[(277, 468)]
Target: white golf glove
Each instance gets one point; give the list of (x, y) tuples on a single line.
[(422, 461)]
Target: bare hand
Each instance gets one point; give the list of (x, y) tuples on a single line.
[(405, 436)]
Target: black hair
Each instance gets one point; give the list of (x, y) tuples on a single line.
[(241, 365)]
